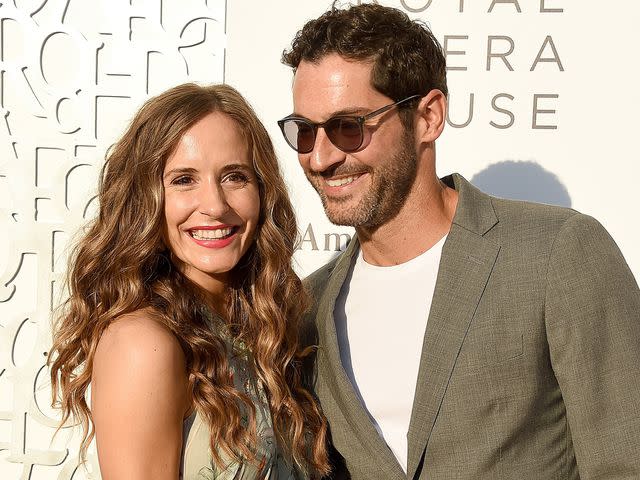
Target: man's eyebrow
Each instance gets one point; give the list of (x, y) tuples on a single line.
[(338, 113), (179, 170)]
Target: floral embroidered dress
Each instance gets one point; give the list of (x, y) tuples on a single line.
[(197, 461)]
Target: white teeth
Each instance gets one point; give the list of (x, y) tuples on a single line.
[(211, 234), (341, 181)]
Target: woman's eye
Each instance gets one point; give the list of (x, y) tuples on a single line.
[(236, 177), (182, 180)]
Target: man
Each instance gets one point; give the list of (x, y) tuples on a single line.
[(460, 336)]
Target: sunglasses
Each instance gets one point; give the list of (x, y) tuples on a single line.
[(346, 132)]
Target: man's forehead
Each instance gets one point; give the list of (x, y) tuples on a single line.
[(332, 84), (332, 71)]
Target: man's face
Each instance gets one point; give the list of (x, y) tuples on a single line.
[(365, 188)]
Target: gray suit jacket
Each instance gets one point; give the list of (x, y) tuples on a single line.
[(530, 366)]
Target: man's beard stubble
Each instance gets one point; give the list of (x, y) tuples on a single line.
[(390, 185)]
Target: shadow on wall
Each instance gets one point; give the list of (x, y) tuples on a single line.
[(522, 181)]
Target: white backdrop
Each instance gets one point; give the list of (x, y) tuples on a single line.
[(586, 113), (543, 106)]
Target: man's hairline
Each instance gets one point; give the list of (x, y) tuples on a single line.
[(316, 61), (370, 60)]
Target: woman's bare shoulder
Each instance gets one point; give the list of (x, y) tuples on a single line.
[(141, 338), (144, 322), (135, 352), (139, 397)]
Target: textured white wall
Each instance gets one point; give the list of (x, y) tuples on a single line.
[(72, 74), (74, 71)]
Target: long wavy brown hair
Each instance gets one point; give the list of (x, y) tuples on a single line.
[(121, 264)]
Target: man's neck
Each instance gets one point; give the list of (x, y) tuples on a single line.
[(425, 218)]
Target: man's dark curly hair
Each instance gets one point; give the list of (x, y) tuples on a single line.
[(407, 59)]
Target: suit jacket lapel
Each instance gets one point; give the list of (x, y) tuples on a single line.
[(465, 267), (330, 369)]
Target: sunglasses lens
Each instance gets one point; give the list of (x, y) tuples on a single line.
[(299, 134), (345, 133)]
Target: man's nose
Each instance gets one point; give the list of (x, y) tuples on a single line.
[(324, 154), (213, 200)]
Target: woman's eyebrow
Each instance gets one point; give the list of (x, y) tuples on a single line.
[(179, 170), (237, 166)]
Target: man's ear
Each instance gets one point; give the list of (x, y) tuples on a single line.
[(430, 116)]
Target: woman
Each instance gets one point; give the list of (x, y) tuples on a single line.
[(183, 305)]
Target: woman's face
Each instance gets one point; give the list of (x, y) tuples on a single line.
[(211, 200)]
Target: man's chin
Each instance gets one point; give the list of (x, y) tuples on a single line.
[(342, 221), (348, 211), (348, 217), (340, 213)]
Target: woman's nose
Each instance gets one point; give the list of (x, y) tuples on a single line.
[(212, 200)]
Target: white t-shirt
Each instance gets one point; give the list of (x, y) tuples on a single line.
[(381, 316)]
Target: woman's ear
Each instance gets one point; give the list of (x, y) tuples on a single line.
[(430, 116)]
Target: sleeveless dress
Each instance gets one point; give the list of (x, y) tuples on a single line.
[(197, 463)]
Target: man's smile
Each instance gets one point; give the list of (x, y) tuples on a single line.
[(340, 181)]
